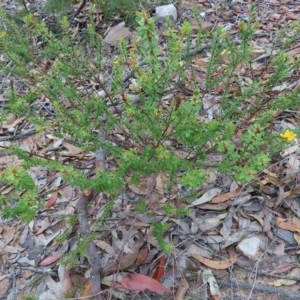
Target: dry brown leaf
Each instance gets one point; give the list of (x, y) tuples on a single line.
[(297, 237), (208, 277), (87, 291), (272, 174), (44, 227), (296, 221), (218, 265), (216, 207), (16, 122), (10, 249), (72, 150), (144, 187), (272, 180), (159, 185), (292, 16), (208, 196), (116, 33), (292, 192), (183, 154), (289, 150), (293, 166), (67, 284), (284, 266), (257, 218), (106, 247), (270, 26), (279, 250), (201, 63), (182, 289), (292, 53), (225, 197), (267, 222), (128, 260), (9, 234), (187, 4), (52, 200), (281, 223), (142, 255), (68, 192), (51, 259), (280, 282), (274, 264), (279, 198)]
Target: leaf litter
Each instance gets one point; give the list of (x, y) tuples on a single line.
[(206, 242)]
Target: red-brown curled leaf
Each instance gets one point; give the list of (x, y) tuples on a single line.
[(138, 282), (160, 268), (51, 259), (52, 200)]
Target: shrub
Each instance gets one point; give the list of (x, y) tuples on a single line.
[(155, 131)]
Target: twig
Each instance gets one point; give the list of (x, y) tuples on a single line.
[(26, 132), (100, 153), (82, 5), (266, 55), (259, 287), (25, 6), (39, 271), (91, 250), (13, 292)]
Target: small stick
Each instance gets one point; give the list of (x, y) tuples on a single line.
[(25, 6), (82, 5), (91, 250)]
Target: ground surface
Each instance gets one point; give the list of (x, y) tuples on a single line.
[(204, 263)]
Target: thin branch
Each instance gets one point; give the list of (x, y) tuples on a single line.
[(25, 6), (82, 5), (92, 253)]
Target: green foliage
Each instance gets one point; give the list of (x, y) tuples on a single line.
[(158, 231), (141, 207), (193, 178), (24, 206), (240, 133), (64, 236), (19, 178), (29, 297), (171, 210), (288, 34), (57, 9), (58, 6)]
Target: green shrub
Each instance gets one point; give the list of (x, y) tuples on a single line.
[(241, 132)]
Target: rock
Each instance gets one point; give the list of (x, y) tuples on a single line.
[(116, 33), (249, 247), (165, 11)]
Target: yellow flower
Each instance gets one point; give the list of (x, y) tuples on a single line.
[(288, 135), (116, 62), (2, 34)]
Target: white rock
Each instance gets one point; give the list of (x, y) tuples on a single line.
[(249, 247), (164, 11)]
